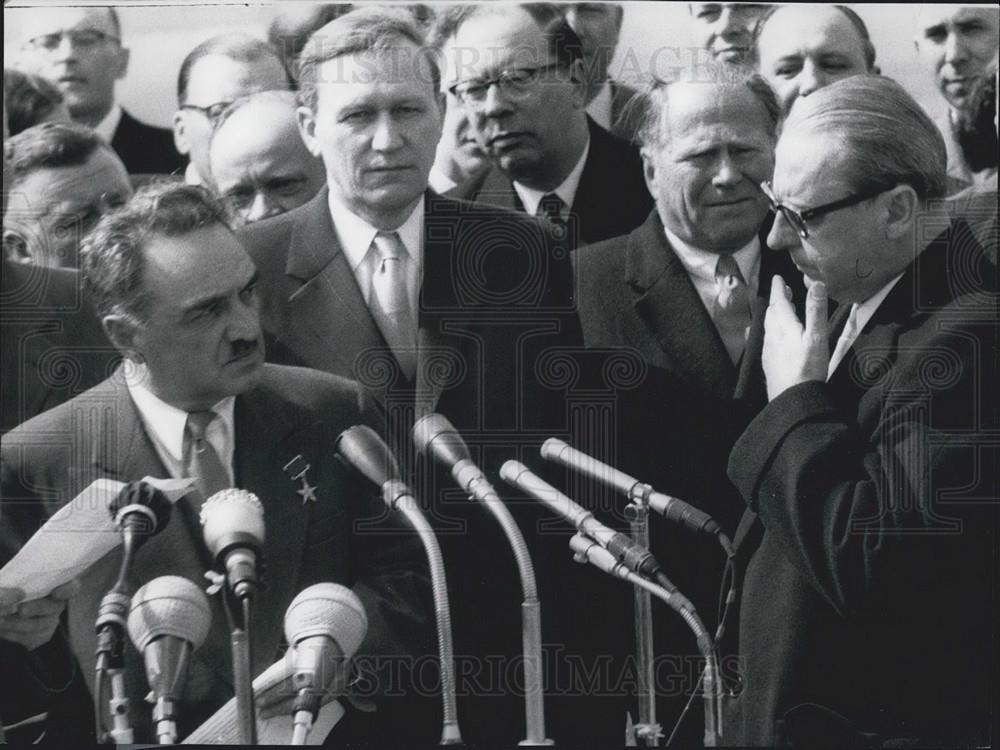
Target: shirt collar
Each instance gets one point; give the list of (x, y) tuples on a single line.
[(702, 263), (356, 235), (106, 128), (865, 310), (192, 176), (567, 190), (164, 422)]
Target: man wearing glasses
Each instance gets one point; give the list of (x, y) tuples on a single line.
[(80, 50), (521, 79), (214, 74), (868, 606)]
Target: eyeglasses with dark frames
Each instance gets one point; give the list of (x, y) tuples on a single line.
[(79, 38), (213, 111), (514, 83), (797, 219)]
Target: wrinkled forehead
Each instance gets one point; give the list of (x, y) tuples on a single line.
[(930, 16), (818, 27), (35, 22)]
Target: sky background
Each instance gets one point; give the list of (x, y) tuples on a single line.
[(655, 36)]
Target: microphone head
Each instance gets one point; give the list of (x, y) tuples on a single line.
[(327, 609), (169, 605), (363, 449), (436, 434), (148, 509), (511, 471), (552, 449), (232, 516)]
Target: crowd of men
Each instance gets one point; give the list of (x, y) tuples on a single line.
[(766, 286)]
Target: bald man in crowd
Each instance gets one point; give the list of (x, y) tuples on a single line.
[(260, 166), (213, 75), (522, 83), (80, 50), (802, 48), (867, 552)]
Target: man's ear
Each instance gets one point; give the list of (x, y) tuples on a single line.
[(649, 170), (121, 64), (124, 333), (901, 207), (579, 80), (181, 142), (307, 129), (15, 247)]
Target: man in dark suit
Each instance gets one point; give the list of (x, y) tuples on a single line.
[(525, 93), (682, 293), (177, 295), (80, 50), (868, 608), (486, 292)]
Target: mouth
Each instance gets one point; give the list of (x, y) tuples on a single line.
[(730, 203), (505, 141), (731, 53), (71, 80)]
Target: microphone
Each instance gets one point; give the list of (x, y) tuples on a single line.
[(233, 526), (634, 556), (140, 511), (169, 618), (324, 626), (669, 507), (434, 434)]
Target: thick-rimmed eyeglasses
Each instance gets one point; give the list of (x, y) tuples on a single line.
[(213, 111), (514, 83), (80, 38), (797, 219)]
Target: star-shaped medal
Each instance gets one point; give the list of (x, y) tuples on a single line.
[(308, 492)]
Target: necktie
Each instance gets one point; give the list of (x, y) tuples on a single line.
[(201, 461), (390, 301), (844, 343), (731, 312), (551, 207)]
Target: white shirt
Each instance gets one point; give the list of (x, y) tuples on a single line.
[(106, 128), (356, 236), (700, 265), (599, 108), (165, 425), (439, 182), (862, 313), (566, 190), (192, 176)]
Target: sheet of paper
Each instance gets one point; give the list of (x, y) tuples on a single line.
[(79, 534), (222, 727)]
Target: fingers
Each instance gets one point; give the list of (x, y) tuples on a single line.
[(9, 599), (67, 591), (779, 290), (41, 608), (816, 312)]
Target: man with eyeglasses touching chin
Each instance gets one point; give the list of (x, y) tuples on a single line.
[(521, 79), (80, 50), (868, 611)]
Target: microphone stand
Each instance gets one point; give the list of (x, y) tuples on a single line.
[(646, 732), (531, 609), (586, 550), (397, 496), (238, 615)]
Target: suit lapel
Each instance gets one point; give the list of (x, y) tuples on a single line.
[(327, 314), (673, 314)]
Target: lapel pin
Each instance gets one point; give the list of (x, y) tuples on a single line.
[(296, 470)]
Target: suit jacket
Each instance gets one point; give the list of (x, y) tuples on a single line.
[(868, 608), (677, 417), (611, 199), (52, 344), (292, 412), (145, 149)]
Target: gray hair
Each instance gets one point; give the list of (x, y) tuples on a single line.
[(366, 29), (889, 138), (652, 103), (112, 260)]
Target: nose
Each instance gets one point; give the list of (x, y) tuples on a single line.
[(954, 48), (66, 49), (262, 206), (812, 78), (726, 25), (782, 235), (726, 174), (244, 321), (496, 102), (387, 136)]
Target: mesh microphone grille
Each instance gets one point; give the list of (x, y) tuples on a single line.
[(231, 511), (169, 605), (147, 496), (327, 609)]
